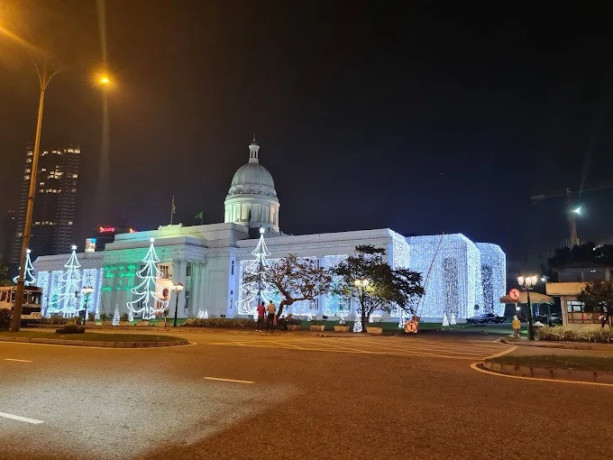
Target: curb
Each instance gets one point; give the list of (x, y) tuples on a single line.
[(582, 375), (84, 343)]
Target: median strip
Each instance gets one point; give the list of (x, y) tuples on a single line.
[(229, 380), (21, 419)]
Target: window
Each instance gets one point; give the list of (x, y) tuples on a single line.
[(576, 314), (232, 268), (165, 269)]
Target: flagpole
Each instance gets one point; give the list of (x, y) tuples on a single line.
[(172, 209)]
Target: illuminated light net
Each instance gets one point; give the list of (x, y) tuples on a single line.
[(65, 294), (453, 286), (43, 283), (493, 277), (147, 303), (334, 304), (28, 276)]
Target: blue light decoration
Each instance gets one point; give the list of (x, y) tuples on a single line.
[(334, 304), (493, 273), (451, 275), (28, 276), (147, 303), (401, 254), (43, 283)]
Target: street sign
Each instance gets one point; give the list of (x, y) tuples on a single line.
[(411, 326), (514, 294)]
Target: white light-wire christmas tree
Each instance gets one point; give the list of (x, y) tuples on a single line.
[(257, 291), (28, 276), (65, 297), (146, 303)]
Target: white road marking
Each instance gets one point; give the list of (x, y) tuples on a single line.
[(18, 360), (21, 419), (229, 380)]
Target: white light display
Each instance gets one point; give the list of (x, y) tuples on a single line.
[(147, 303), (445, 320), (200, 314), (250, 293), (451, 275), (65, 297), (452, 321), (43, 283), (130, 316), (28, 276), (493, 269), (90, 278), (116, 317)]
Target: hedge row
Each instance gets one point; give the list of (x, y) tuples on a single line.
[(226, 323), (566, 334)]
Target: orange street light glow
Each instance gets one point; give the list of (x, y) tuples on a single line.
[(104, 80)]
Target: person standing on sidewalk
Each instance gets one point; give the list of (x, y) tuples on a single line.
[(261, 312), (516, 324), (270, 320)]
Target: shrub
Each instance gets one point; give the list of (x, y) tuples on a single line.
[(226, 323), (55, 319), (70, 328), (5, 319), (561, 333)]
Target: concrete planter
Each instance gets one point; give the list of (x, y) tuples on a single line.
[(341, 328), (317, 327), (294, 327), (374, 330), (143, 323)]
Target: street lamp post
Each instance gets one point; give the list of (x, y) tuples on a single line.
[(86, 291), (178, 287), (43, 79), (527, 283), (362, 284)]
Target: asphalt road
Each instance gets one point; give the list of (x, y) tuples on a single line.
[(291, 396)]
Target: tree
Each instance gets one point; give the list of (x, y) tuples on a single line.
[(386, 287), (4, 276), (64, 297), (598, 296), (296, 279)]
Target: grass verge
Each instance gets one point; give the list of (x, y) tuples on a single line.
[(557, 362), (89, 337)]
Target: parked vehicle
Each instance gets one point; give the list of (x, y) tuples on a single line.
[(486, 318), (31, 307)]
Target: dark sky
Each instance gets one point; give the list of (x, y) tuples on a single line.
[(424, 117)]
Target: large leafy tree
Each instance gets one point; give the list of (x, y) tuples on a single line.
[(295, 278), (387, 288), (598, 296)]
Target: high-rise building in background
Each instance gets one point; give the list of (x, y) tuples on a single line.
[(54, 202)]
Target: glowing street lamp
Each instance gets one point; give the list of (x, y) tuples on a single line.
[(86, 291), (177, 287), (527, 283)]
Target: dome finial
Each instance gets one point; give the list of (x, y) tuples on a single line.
[(253, 151)]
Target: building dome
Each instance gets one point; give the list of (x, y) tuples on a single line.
[(252, 198), (252, 178)]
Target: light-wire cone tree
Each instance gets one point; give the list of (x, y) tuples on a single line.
[(28, 276), (146, 303), (254, 288), (65, 298)]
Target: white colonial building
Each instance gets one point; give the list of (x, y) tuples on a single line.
[(461, 278)]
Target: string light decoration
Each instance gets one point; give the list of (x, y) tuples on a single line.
[(65, 297), (200, 314), (454, 287), (493, 272), (250, 293), (116, 317), (147, 303), (43, 283), (28, 276)]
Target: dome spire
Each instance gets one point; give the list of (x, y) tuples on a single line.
[(253, 151)]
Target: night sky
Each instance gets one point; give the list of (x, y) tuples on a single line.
[(424, 117)]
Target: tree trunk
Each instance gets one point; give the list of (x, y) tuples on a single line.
[(364, 320), (283, 303)]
